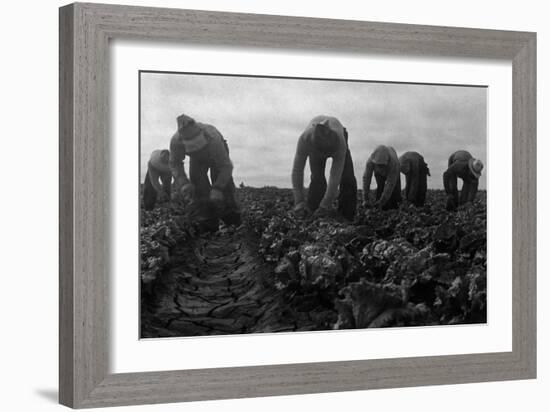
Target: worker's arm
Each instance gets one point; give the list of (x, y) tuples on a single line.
[(335, 177), (154, 176), (221, 158), (391, 181), (450, 183), (367, 177), (177, 155), (415, 174), (298, 167), (473, 190)]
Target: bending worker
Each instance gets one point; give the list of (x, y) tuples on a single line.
[(461, 165), (207, 151), (383, 162), (416, 174), (324, 137), (157, 169)]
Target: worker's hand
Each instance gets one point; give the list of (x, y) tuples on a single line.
[(162, 196), (187, 191), (216, 195), (323, 212), (451, 204), (301, 210)]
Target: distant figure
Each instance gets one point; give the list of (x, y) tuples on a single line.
[(157, 169), (383, 162), (416, 174), (461, 165), (324, 137), (208, 152)]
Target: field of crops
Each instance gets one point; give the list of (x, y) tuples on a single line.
[(277, 272)]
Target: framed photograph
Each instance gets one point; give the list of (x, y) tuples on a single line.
[(256, 205)]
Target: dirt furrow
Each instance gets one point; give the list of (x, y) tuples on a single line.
[(216, 285)]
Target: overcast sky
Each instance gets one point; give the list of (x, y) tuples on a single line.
[(262, 118)]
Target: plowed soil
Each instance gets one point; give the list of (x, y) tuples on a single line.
[(218, 285)]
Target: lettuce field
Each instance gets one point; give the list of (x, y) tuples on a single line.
[(281, 273)]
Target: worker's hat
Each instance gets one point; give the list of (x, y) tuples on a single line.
[(191, 135), (159, 160), (476, 166), (380, 156)]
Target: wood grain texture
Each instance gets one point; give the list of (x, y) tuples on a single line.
[(85, 30), (524, 226), (66, 229)]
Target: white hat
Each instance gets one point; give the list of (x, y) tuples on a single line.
[(476, 166)]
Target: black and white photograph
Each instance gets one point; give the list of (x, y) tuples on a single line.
[(247, 206), (271, 204)]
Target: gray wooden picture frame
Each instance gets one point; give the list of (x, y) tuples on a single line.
[(85, 31)]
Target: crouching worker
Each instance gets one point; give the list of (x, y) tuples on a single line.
[(208, 152), (416, 174), (157, 169), (324, 137), (461, 165), (384, 164)]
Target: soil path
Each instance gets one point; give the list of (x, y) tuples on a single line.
[(216, 286)]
